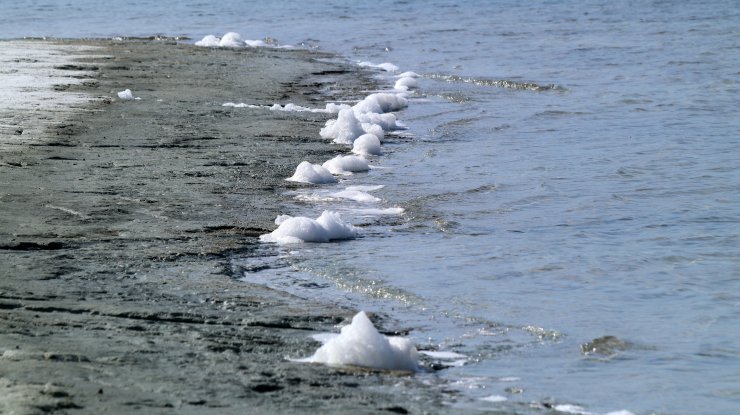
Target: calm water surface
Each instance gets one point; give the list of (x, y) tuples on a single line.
[(570, 172)]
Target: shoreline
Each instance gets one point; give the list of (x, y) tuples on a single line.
[(43, 83), (117, 224)]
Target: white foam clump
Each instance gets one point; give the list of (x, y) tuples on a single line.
[(230, 40), (209, 40), (374, 129), (126, 95), (344, 129), (385, 121), (386, 66), (405, 83), (239, 105), (381, 102), (408, 74), (360, 344), (367, 145), (345, 165), (366, 117), (312, 173), (327, 227)]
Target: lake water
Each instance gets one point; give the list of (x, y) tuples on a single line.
[(570, 172)]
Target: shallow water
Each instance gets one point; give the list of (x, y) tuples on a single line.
[(569, 172)]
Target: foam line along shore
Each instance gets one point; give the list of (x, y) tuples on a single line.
[(119, 222)]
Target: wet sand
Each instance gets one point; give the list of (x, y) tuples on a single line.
[(117, 224)]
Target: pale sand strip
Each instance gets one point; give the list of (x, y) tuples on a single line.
[(35, 80)]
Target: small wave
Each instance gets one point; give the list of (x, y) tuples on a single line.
[(498, 83)]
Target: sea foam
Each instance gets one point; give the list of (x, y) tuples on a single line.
[(126, 95), (381, 102), (405, 83), (344, 129), (367, 145), (408, 74), (345, 165), (385, 121), (312, 173), (330, 108), (356, 195), (386, 66), (327, 227), (230, 40), (360, 344)]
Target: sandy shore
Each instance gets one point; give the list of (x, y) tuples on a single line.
[(118, 221)]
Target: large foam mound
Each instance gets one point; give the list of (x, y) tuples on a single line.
[(312, 173), (327, 227), (374, 129), (209, 41), (229, 40), (381, 102), (344, 129), (232, 40), (360, 344), (385, 121), (367, 145), (346, 165)]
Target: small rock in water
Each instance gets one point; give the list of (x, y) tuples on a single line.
[(605, 346)]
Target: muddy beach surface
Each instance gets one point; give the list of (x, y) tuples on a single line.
[(118, 221)]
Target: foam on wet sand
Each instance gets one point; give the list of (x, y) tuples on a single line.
[(312, 173), (360, 344), (346, 165), (327, 227), (233, 40), (367, 145)]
